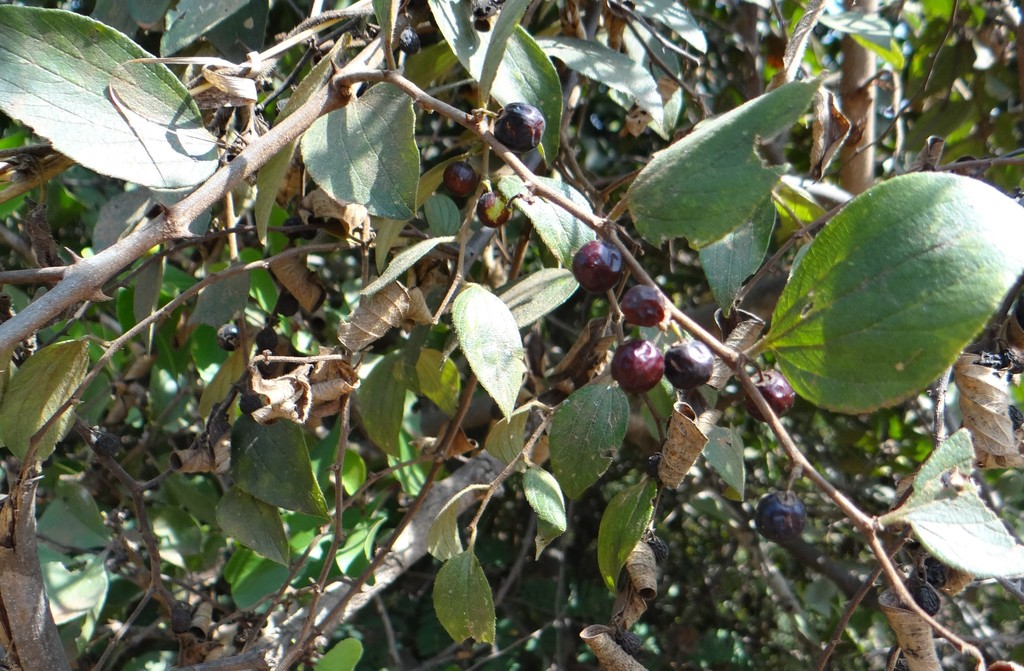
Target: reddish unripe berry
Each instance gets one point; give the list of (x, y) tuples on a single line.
[(637, 366), (597, 266), (519, 127), (642, 305), (689, 366), (492, 210), (460, 178), (776, 390)]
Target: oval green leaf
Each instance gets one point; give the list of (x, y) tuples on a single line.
[(438, 379), (272, 464), (41, 385), (894, 287), (710, 182), (673, 15), (724, 453), (381, 399), (463, 601), (545, 497), (192, 19), (728, 262), (539, 293), (622, 526), (443, 541), (402, 261), (342, 657), (587, 429), (442, 215), (489, 336), (254, 524), (365, 153), (506, 438), (52, 55)]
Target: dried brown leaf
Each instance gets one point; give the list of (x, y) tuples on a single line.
[(636, 121), (828, 131), (912, 632), (353, 220), (740, 330), (300, 281), (586, 356), (628, 608), (643, 570), (683, 445), (375, 316), (984, 404), (609, 655)]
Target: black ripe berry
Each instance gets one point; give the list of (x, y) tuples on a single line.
[(642, 305), (409, 40), (266, 339), (181, 617), (104, 443), (637, 365), (653, 462), (925, 595), (227, 337), (1016, 417), (492, 210), (460, 179), (630, 643), (780, 516), (519, 127), (249, 403), (659, 547), (776, 390), (935, 572), (287, 304), (597, 266), (689, 366)]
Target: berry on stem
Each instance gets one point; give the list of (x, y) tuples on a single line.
[(776, 390), (519, 127), (227, 337), (780, 516), (266, 339), (642, 305), (597, 266), (925, 595), (492, 210), (637, 365), (689, 366), (409, 40), (460, 178)]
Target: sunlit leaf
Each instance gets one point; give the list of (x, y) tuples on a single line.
[(545, 497), (254, 524), (463, 601), (623, 524), (586, 431)]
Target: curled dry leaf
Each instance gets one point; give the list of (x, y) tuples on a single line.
[(636, 121), (956, 581), (1005, 666), (829, 130), (739, 331), (615, 25), (569, 17), (984, 403), (628, 608), (686, 440), (643, 570), (303, 283), (377, 314), (913, 634), (1014, 333), (353, 218), (307, 392), (585, 358), (609, 655), (198, 460)]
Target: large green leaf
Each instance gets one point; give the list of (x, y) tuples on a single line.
[(711, 181), (254, 524), (545, 497), (618, 71), (724, 453), (587, 429), (728, 262), (40, 386), (342, 657), (272, 464), (539, 293), (504, 27), (192, 19), (507, 437), (438, 380), (402, 261), (894, 287), (489, 337), (675, 16), (381, 398), (365, 153), (73, 519), (60, 74), (951, 520), (563, 233), (463, 601), (622, 526)]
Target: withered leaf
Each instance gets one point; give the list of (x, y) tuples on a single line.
[(303, 283), (353, 217), (828, 131), (643, 570), (740, 329), (307, 392), (984, 403), (609, 655), (683, 445), (912, 632), (375, 316)]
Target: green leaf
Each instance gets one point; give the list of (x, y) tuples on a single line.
[(221, 301), (272, 464), (894, 287), (41, 385), (253, 577), (73, 592), (463, 601), (254, 524), (438, 378), (365, 153), (618, 71), (73, 519), (724, 452), (402, 261), (728, 262), (268, 183), (442, 215), (623, 524), (192, 19), (951, 520), (672, 14), (443, 540), (507, 436), (870, 30), (381, 398), (711, 181), (571, 233), (504, 27), (152, 135), (587, 429), (539, 293), (387, 12), (489, 337), (342, 657), (545, 497)]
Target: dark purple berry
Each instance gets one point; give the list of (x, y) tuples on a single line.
[(227, 337), (292, 223), (181, 617), (249, 403), (104, 443), (266, 339), (630, 643), (637, 365), (780, 516), (642, 305), (492, 210), (460, 179), (776, 390), (1016, 417), (597, 266), (925, 595), (689, 366), (653, 462), (934, 572), (409, 40), (287, 304), (659, 547), (519, 127)]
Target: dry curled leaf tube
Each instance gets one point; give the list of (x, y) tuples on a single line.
[(609, 655), (913, 634), (984, 404), (643, 570)]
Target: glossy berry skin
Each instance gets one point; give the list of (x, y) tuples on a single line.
[(776, 390), (249, 403), (227, 337), (597, 266), (492, 210), (409, 41), (642, 305), (780, 516), (519, 127), (104, 443), (925, 595), (460, 179), (266, 339), (637, 366), (689, 366)]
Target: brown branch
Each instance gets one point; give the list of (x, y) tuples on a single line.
[(857, 92)]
